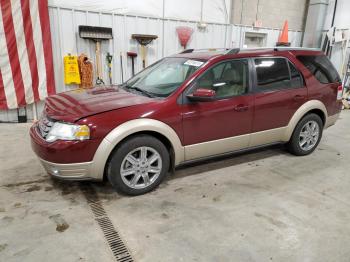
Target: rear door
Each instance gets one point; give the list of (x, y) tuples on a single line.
[(279, 91)]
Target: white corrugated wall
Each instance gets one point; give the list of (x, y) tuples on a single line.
[(64, 24), (66, 40)]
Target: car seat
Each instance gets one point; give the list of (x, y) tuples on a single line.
[(207, 80), (234, 84)]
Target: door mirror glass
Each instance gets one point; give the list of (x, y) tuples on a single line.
[(202, 95)]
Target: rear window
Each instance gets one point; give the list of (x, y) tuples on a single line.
[(321, 68)]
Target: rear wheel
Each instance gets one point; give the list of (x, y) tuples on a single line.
[(306, 136), (138, 165)]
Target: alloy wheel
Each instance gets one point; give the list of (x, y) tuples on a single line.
[(141, 167), (309, 135)]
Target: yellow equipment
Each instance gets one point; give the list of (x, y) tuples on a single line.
[(71, 70)]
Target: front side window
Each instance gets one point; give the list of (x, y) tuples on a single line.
[(164, 77), (227, 79), (272, 73)]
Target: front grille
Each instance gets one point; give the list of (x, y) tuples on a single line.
[(44, 126)]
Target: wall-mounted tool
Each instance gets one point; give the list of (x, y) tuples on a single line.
[(109, 58), (132, 55), (184, 33), (121, 67), (96, 34), (143, 40)]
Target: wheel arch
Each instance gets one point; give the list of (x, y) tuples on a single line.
[(312, 106), (131, 128), (318, 112)]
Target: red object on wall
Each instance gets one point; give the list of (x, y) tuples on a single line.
[(184, 33), (26, 65)]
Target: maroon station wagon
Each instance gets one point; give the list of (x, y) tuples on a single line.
[(188, 107)]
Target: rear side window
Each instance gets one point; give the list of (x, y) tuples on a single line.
[(272, 73), (295, 78), (321, 68)]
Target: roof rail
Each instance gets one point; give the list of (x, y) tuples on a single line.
[(233, 51), (203, 50), (288, 48), (281, 48), (187, 51)]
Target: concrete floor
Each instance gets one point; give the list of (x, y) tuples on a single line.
[(265, 205)]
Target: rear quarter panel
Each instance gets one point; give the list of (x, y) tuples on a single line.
[(326, 93)]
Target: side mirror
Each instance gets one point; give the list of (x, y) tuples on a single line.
[(202, 95)]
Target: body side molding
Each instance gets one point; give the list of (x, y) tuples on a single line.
[(216, 147)]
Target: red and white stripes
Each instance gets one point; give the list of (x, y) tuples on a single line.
[(26, 65)]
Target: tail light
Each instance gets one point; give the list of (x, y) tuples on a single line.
[(340, 92)]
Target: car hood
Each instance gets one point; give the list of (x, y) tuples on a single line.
[(73, 105)]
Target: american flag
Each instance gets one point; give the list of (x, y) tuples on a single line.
[(26, 67)]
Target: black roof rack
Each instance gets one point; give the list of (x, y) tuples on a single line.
[(233, 51), (187, 51)]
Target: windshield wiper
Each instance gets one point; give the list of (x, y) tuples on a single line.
[(149, 94)]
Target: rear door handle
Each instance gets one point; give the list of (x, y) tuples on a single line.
[(298, 98), (241, 108)]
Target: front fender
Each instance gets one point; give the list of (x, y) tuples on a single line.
[(128, 128)]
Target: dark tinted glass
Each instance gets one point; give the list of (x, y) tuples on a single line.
[(321, 68), (296, 79), (272, 73)]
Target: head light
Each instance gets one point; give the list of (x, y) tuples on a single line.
[(65, 131)]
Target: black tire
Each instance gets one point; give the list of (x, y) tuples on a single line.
[(293, 145), (119, 155)]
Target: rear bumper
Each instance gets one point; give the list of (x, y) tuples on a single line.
[(73, 171), (331, 120)]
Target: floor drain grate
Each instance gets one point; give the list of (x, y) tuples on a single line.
[(116, 244)]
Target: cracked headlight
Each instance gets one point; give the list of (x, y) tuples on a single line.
[(65, 131)]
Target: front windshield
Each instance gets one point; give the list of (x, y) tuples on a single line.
[(164, 77)]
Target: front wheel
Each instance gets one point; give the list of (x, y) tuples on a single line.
[(138, 165), (306, 136)]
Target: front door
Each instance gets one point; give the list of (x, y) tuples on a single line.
[(223, 124)]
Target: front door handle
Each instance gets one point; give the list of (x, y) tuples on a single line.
[(241, 108), (298, 98)]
